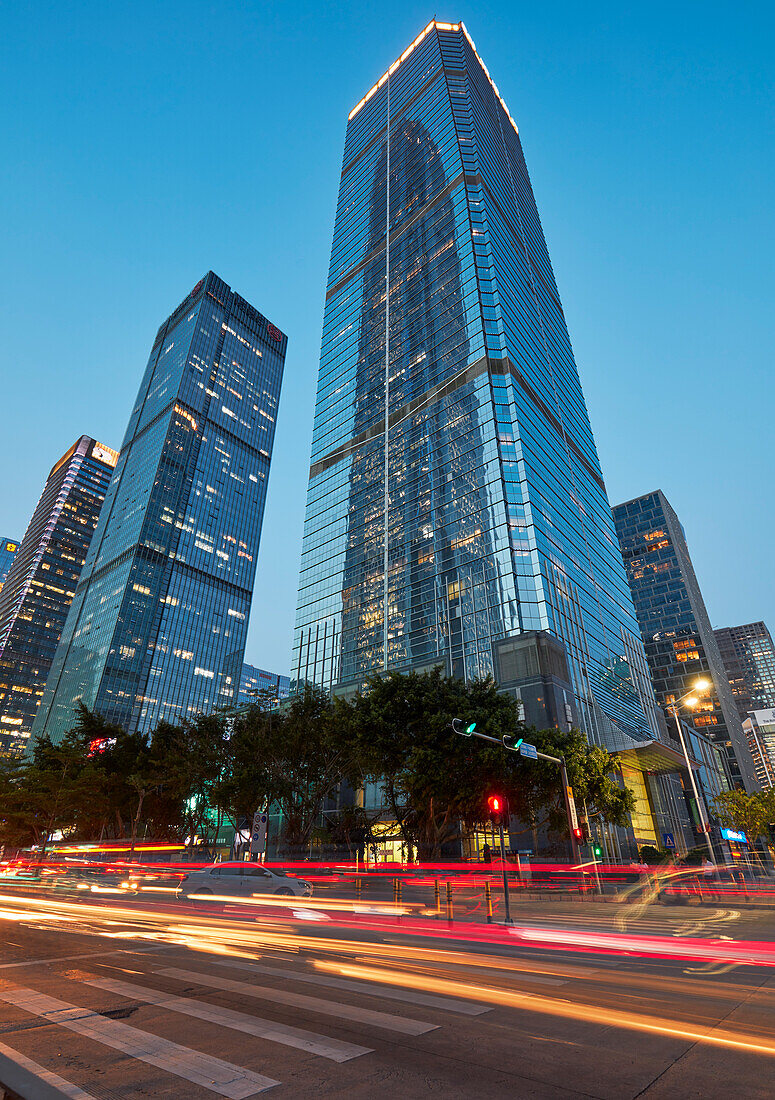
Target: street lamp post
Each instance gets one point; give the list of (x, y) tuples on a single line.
[(701, 685)]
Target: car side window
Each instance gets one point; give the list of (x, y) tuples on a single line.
[(257, 872), (226, 871)]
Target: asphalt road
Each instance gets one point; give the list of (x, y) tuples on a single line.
[(96, 1003)]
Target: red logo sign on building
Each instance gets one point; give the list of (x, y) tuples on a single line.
[(273, 332)]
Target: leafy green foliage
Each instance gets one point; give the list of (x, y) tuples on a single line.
[(591, 774), (748, 813), (653, 856), (292, 758)]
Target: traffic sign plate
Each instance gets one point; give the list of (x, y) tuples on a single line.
[(530, 751)]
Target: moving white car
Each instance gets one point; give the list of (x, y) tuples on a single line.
[(240, 880)]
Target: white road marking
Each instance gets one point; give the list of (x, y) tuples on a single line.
[(47, 1075), (214, 1074), (333, 1049), (86, 955), (311, 1004), (372, 989)]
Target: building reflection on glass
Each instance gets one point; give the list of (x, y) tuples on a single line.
[(439, 549)]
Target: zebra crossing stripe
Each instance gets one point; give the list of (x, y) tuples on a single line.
[(371, 989), (333, 1049), (309, 1004), (41, 1074), (214, 1074)]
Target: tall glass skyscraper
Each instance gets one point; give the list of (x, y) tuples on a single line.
[(680, 644), (456, 511), (42, 579), (157, 627)]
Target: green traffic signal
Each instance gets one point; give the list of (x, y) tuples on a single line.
[(597, 850), (470, 729), (511, 741)]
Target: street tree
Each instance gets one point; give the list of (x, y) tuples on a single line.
[(592, 774), (433, 780), (292, 758), (751, 814)]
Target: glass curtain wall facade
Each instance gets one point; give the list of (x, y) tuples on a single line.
[(455, 495), (254, 680), (157, 627), (42, 580), (8, 550), (680, 644), (748, 654)]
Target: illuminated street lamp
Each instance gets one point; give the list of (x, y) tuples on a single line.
[(690, 699)]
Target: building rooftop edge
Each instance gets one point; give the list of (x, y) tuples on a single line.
[(437, 25), (742, 626), (640, 496)]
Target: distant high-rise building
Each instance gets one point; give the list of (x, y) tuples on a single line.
[(255, 681), (759, 728), (8, 549), (456, 512), (157, 627), (42, 579), (680, 644), (748, 654)]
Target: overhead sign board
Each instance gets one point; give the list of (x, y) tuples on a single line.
[(735, 835), (530, 751)]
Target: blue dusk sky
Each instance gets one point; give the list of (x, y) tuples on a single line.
[(145, 143)]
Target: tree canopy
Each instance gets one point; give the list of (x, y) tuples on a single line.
[(751, 814), (434, 780), (178, 782)]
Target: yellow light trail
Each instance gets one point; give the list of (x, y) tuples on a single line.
[(534, 1002)]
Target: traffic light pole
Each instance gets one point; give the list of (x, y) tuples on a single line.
[(566, 789), (569, 808), (505, 874)]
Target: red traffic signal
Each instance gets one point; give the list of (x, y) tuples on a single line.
[(495, 803), (579, 835)]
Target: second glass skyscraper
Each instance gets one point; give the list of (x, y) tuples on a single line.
[(158, 623), (455, 497)]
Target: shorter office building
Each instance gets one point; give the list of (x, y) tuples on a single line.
[(257, 683), (748, 653), (8, 549), (42, 579), (759, 728), (680, 644)]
